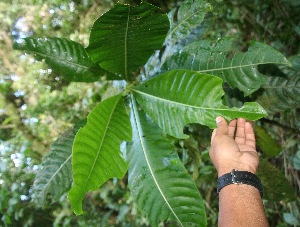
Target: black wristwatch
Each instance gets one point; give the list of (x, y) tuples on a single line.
[(239, 177)]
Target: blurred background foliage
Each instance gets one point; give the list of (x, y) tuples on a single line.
[(37, 105)]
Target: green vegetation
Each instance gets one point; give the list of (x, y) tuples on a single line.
[(112, 119)]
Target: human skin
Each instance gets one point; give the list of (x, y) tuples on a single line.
[(233, 146)]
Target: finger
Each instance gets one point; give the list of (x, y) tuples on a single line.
[(231, 128), (240, 136), (222, 127), (250, 136), (213, 135)]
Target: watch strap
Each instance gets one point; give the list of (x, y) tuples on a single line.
[(239, 177)]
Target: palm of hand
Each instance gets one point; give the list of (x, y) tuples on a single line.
[(233, 147)]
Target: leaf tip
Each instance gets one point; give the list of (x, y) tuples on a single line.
[(75, 200)]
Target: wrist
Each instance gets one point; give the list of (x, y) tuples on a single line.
[(239, 177), (228, 169)]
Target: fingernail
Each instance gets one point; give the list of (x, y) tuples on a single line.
[(218, 119)]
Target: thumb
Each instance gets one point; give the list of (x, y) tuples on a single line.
[(222, 126)]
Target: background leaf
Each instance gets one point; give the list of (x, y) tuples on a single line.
[(65, 57), (266, 143), (186, 27), (96, 149), (295, 60), (124, 38), (279, 93), (277, 187), (158, 181), (187, 17), (296, 160), (291, 219), (177, 98), (55, 177), (222, 59)]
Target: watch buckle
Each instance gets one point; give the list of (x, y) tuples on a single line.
[(232, 173)]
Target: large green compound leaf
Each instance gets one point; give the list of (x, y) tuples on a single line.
[(280, 94), (96, 150), (123, 39), (177, 98), (55, 177), (185, 27), (65, 57), (222, 59), (159, 183)]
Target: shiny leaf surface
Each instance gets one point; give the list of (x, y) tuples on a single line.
[(158, 181), (125, 37), (222, 59), (179, 97), (96, 149), (65, 57), (186, 27)]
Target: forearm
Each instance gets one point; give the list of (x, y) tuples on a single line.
[(241, 205), (233, 147)]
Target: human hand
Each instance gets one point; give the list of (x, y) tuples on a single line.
[(233, 146)]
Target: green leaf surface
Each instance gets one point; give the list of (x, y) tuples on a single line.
[(123, 39), (159, 183), (279, 93), (277, 187), (96, 149), (185, 27), (291, 219), (222, 59), (296, 160), (295, 60), (177, 98), (266, 143), (65, 57), (55, 176), (187, 17)]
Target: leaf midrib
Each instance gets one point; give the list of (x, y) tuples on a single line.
[(59, 58), (239, 66), (186, 19), (280, 87), (100, 146), (146, 157), (52, 177), (187, 105), (125, 45)]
